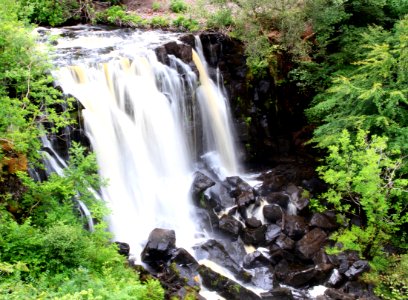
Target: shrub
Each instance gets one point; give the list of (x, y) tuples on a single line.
[(182, 22), (220, 19), (159, 21), (178, 6), (156, 6)]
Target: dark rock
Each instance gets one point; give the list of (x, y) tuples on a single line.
[(216, 252), (221, 196), (360, 290), (320, 257), (181, 51), (245, 198), (123, 248), (161, 54), (357, 268), (227, 288), (271, 183), (334, 294), (280, 199), (335, 278), (253, 223), (272, 232), (311, 243), (280, 293), (294, 226), (299, 198), (277, 255), (300, 277), (254, 236), (182, 257), (324, 221), (236, 249), (230, 225), (159, 248), (285, 242), (200, 184), (272, 213), (189, 39), (314, 185), (255, 260), (344, 260)]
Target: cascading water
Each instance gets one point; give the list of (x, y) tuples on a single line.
[(138, 118)]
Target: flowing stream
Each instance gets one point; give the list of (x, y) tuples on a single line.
[(139, 115)]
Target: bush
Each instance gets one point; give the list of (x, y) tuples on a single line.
[(182, 22), (178, 6), (220, 19), (156, 6), (159, 22)]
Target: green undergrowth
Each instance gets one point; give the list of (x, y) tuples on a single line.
[(118, 16)]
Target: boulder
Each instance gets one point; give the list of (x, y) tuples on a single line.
[(241, 191), (324, 221), (200, 184), (278, 198), (230, 225), (356, 269), (123, 248), (279, 293), (284, 242), (335, 278), (298, 197), (255, 260), (254, 236), (226, 287), (294, 226), (214, 250), (253, 223), (334, 294), (272, 213), (272, 232), (311, 243), (160, 247), (299, 277)]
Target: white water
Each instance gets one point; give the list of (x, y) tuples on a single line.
[(139, 123)]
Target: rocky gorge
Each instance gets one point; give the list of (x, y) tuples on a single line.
[(264, 234)]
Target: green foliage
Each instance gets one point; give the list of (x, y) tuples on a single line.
[(51, 12), (391, 281), (159, 22), (156, 6), (363, 181), (184, 23), (373, 95), (178, 6), (220, 19)]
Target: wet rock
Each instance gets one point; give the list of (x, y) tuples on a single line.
[(344, 260), (320, 257), (324, 221), (357, 268), (254, 236), (285, 242), (123, 248), (334, 294), (200, 184), (253, 223), (300, 277), (241, 191), (294, 226), (230, 225), (311, 243), (181, 51), (280, 293), (245, 198), (216, 252), (161, 54), (236, 249), (272, 213), (207, 219), (280, 199), (272, 232), (277, 255), (255, 260), (226, 287), (262, 278), (272, 182), (160, 246), (299, 198), (335, 278), (221, 196), (314, 185), (360, 290)]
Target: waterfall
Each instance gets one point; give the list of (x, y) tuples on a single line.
[(139, 116), (219, 147)]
